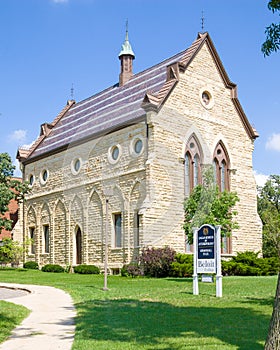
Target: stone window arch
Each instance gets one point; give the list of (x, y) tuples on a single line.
[(221, 164), (193, 161)]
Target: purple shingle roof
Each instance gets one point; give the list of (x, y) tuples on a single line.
[(110, 109)]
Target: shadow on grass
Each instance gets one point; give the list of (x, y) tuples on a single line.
[(157, 325), (260, 301)]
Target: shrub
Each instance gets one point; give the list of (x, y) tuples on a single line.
[(156, 262), (32, 265), (52, 268), (248, 264), (247, 258), (182, 266), (274, 265), (87, 269), (132, 269)]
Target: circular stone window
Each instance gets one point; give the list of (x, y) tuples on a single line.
[(44, 176), (206, 98), (138, 146), (114, 154), (31, 180), (76, 166)]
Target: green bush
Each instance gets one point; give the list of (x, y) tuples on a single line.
[(32, 265), (248, 264), (52, 268), (182, 266), (87, 269), (247, 258)]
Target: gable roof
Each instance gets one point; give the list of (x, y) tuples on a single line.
[(119, 106)]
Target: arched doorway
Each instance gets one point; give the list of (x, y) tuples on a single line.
[(78, 246)]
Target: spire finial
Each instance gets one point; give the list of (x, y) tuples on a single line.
[(126, 30), (202, 21), (126, 47), (72, 92)]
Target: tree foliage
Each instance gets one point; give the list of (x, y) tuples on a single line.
[(9, 189), (12, 251), (207, 205), (269, 212), (272, 42)]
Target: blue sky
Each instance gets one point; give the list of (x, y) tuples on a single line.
[(46, 46)]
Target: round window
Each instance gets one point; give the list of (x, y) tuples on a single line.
[(206, 97), (31, 180), (115, 152), (77, 165), (138, 146), (45, 175)]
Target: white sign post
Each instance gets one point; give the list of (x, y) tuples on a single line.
[(207, 255), (195, 275), (219, 277)]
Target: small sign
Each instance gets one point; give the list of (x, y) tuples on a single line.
[(207, 278), (206, 262)]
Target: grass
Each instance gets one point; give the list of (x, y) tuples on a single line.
[(163, 314), (11, 315)]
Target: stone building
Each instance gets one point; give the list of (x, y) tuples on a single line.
[(118, 165)]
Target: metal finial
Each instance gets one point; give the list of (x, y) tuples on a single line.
[(126, 30), (72, 92), (202, 21)]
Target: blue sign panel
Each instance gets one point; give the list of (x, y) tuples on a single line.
[(206, 261), (206, 242)]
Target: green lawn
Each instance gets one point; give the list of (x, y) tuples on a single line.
[(11, 315), (150, 314)]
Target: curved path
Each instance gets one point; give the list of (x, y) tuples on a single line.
[(50, 324)]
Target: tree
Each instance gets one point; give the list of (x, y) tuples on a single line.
[(272, 42), (269, 211), (12, 251), (9, 189), (207, 205)]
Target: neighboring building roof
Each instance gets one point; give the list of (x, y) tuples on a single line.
[(119, 106)]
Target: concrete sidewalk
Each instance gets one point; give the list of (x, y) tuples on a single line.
[(50, 324)]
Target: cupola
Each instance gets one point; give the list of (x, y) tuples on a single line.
[(126, 57)]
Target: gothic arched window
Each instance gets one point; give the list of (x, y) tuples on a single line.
[(221, 175), (221, 167), (193, 159)]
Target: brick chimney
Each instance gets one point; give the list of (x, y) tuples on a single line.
[(126, 57)]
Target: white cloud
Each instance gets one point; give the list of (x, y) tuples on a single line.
[(18, 136), (27, 146), (260, 178), (273, 142)]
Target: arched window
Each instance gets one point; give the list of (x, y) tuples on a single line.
[(193, 159), (221, 167), (221, 175)]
